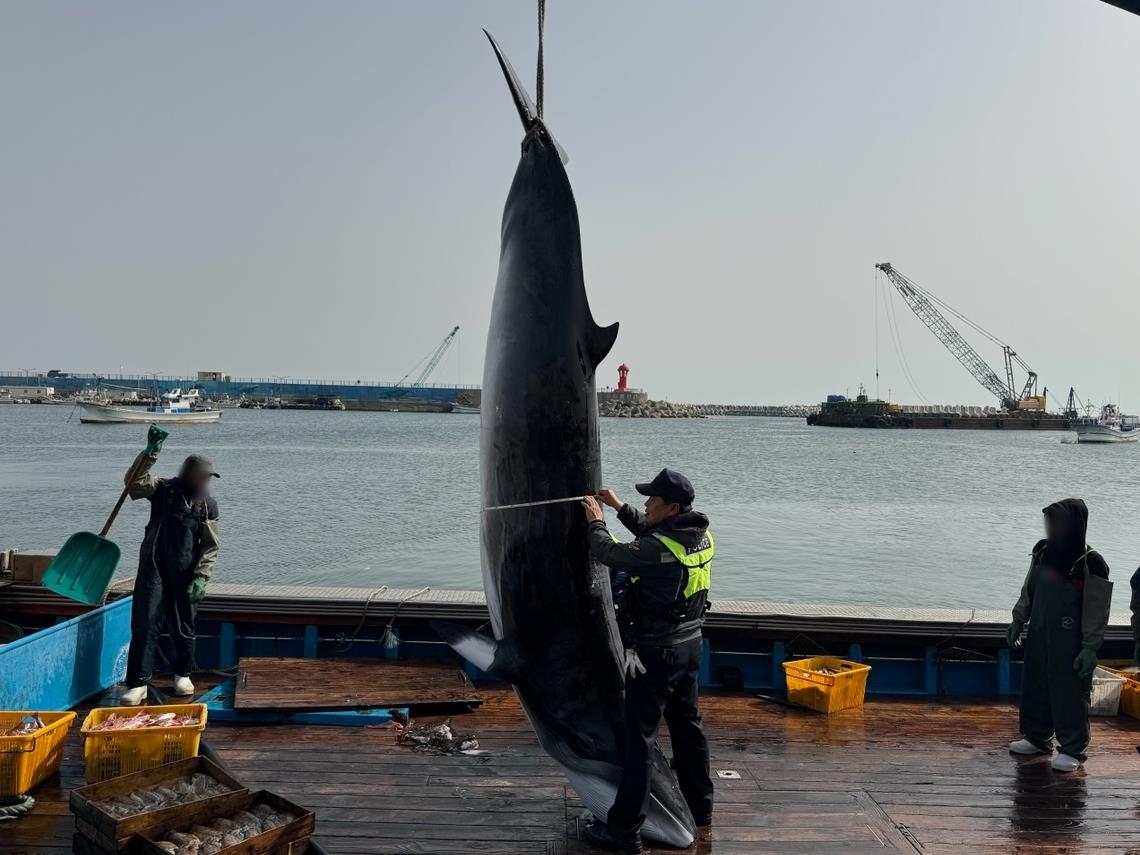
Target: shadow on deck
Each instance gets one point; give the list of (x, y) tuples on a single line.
[(907, 776)]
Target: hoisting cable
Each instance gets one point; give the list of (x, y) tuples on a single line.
[(978, 327), (896, 340), (539, 81)]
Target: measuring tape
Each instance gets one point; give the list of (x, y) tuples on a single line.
[(534, 504)]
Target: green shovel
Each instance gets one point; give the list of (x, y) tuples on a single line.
[(82, 570)]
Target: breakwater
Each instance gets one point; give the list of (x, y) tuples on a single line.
[(650, 409)]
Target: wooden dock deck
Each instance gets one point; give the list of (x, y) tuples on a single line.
[(909, 776)]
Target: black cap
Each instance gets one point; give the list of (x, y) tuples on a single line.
[(670, 485), (198, 464)]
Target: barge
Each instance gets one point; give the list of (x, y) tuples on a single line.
[(920, 767), (865, 412)]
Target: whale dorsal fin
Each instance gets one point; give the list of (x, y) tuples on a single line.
[(600, 342)]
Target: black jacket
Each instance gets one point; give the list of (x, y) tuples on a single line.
[(182, 535), (652, 603)]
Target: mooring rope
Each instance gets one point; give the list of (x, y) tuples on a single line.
[(15, 807), (541, 26)]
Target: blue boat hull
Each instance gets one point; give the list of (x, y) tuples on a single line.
[(62, 665)]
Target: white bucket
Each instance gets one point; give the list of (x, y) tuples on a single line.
[(1105, 699)]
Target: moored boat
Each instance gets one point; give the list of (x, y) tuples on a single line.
[(1111, 426), (176, 407)]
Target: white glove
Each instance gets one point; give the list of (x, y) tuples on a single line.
[(633, 665)]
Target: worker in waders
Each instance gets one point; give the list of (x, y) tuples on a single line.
[(669, 569), (178, 553), (1065, 602)]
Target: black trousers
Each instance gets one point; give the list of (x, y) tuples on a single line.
[(160, 601), (668, 687)]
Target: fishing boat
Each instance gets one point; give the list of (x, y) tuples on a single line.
[(920, 767), (1110, 426), (175, 407), (465, 410)]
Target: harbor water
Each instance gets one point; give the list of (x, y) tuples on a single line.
[(801, 514)]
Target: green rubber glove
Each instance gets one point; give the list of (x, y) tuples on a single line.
[(1085, 662), (155, 436), (1136, 653), (197, 590), (1013, 634)]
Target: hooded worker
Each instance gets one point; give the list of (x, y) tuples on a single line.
[(1065, 601), (178, 552)]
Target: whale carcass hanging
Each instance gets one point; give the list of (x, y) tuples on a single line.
[(550, 604)]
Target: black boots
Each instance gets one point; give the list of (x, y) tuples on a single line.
[(599, 836)]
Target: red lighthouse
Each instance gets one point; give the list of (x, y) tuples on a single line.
[(623, 377)]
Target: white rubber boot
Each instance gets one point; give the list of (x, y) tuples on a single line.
[(1024, 746), (133, 697), (182, 686), (1065, 763)]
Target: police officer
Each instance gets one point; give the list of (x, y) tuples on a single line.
[(669, 568), (1065, 600), (178, 553)]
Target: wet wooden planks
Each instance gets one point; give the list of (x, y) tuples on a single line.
[(901, 776), (338, 684)]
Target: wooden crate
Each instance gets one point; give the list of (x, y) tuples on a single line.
[(289, 839), (109, 834)]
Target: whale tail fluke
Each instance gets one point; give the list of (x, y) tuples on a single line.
[(497, 658), (528, 112)]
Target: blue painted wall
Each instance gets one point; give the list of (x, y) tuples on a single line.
[(253, 387)]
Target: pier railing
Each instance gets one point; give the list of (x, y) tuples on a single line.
[(149, 381)]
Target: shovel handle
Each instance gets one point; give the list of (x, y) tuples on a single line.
[(122, 496)]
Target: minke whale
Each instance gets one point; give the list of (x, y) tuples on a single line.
[(551, 608)]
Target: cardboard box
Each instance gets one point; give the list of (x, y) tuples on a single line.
[(30, 566)]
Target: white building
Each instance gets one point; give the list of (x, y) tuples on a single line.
[(29, 393)]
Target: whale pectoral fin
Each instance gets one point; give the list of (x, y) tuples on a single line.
[(498, 658), (600, 342)]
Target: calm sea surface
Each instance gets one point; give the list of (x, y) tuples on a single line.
[(922, 518)]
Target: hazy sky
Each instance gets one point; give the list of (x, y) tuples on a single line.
[(315, 189)]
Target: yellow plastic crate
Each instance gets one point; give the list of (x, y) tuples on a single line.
[(1130, 691), (111, 753), (27, 760), (826, 693)]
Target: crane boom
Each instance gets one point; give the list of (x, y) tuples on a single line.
[(433, 359), (952, 339)]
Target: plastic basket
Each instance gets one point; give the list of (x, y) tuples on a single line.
[(826, 693), (111, 753), (27, 760), (1106, 690), (1130, 690)]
